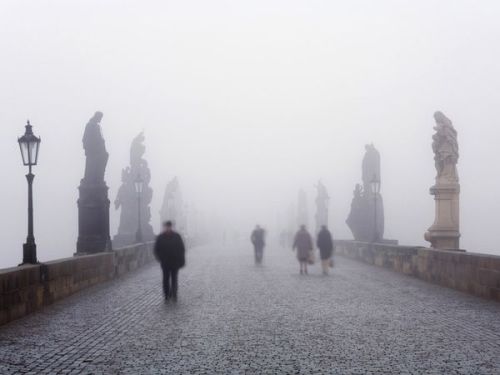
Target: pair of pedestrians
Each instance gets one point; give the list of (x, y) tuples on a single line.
[(304, 244)]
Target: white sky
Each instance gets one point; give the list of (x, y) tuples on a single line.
[(247, 101)]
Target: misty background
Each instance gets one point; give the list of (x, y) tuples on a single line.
[(246, 102)]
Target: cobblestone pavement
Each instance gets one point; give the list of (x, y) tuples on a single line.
[(233, 317)]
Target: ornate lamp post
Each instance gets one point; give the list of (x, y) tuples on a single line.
[(375, 188), (29, 145), (139, 186)]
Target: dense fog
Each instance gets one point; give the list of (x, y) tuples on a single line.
[(248, 102)]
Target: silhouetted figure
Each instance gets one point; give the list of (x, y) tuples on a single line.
[(127, 198), (258, 241), (95, 151), (325, 246), (169, 251), (93, 202), (304, 245)]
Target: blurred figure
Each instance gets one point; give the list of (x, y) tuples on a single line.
[(170, 252), (304, 245), (325, 246), (258, 242)]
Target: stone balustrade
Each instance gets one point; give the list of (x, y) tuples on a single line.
[(25, 289), (473, 273)]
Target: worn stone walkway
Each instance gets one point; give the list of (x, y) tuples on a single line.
[(235, 318)]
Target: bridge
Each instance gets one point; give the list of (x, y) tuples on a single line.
[(234, 317)]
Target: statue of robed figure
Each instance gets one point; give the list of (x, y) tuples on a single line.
[(322, 200), (173, 208), (445, 232), (93, 202), (128, 200), (302, 211), (366, 218)]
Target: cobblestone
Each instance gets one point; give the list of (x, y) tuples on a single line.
[(233, 317)]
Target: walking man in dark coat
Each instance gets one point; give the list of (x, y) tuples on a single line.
[(169, 251), (325, 246)]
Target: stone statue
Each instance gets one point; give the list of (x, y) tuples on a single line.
[(302, 214), (128, 201), (445, 232), (357, 220), (370, 166), (93, 202), (366, 218), (445, 147), (95, 151), (322, 200), (173, 206)]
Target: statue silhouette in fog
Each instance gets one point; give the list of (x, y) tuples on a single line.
[(366, 219), (445, 147), (95, 151), (127, 199), (93, 202)]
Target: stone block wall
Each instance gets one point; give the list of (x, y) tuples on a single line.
[(26, 289), (20, 292), (477, 274), (131, 258)]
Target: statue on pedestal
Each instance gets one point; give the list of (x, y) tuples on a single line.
[(128, 200), (302, 214), (93, 202), (445, 148), (445, 232), (370, 166), (172, 208), (322, 200), (366, 218)]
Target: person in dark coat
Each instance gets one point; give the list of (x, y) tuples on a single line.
[(170, 252), (304, 245), (325, 246), (258, 241)]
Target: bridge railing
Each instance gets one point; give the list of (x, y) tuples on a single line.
[(25, 289), (473, 273)]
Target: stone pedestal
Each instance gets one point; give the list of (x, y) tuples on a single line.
[(445, 232), (366, 219), (93, 219)]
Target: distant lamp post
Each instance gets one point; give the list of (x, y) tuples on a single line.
[(375, 187), (29, 145), (139, 187)]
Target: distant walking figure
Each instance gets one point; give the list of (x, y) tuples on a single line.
[(325, 246), (304, 245), (258, 241), (169, 251)]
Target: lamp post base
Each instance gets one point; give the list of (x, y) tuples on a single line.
[(29, 254)]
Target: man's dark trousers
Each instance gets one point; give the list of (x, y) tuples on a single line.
[(170, 281)]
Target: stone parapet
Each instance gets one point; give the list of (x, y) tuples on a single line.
[(25, 289), (473, 273)]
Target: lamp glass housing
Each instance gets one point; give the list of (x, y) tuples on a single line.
[(29, 145), (139, 185), (375, 184)]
